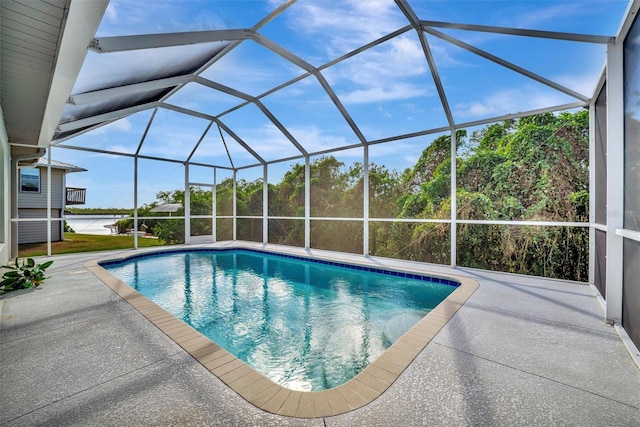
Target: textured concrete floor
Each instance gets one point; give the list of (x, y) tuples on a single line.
[(521, 351)]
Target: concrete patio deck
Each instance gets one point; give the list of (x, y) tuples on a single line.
[(521, 351)]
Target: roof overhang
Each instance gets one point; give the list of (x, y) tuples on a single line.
[(41, 51)]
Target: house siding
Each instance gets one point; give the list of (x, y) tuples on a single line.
[(34, 205), (36, 232), (39, 200)]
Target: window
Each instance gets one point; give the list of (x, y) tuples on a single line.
[(30, 180)]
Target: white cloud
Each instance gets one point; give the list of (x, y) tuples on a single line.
[(584, 84), (267, 141), (508, 101), (383, 112), (122, 125), (392, 92), (314, 139), (395, 70), (111, 13), (270, 143), (159, 16), (380, 74), (119, 148), (348, 24), (536, 18)]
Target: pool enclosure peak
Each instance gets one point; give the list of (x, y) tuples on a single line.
[(318, 77)]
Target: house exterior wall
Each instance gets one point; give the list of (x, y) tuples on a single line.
[(38, 200), (5, 185), (36, 232), (34, 205)]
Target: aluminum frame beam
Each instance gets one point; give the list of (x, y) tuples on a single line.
[(57, 141), (150, 41), (99, 95), (415, 23), (284, 53), (195, 148), (615, 181), (240, 141), (101, 118), (81, 23), (585, 38), (146, 131), (507, 64), (220, 123), (257, 103)]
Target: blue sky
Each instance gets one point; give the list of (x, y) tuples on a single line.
[(388, 89)]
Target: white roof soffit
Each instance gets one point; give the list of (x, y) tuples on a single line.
[(82, 22)]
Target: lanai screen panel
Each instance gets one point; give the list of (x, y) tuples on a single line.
[(307, 112), (251, 69), (632, 129), (202, 98), (388, 89), (601, 157), (122, 136), (326, 30), (387, 69), (115, 84), (283, 83)]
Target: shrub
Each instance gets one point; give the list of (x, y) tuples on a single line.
[(23, 275)]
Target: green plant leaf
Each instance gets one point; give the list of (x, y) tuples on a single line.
[(12, 274), (25, 276), (46, 264)]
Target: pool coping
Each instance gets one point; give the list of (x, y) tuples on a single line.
[(265, 394)]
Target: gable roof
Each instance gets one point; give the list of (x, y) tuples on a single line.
[(55, 164)]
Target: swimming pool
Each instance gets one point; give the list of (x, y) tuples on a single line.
[(305, 325), (262, 392)]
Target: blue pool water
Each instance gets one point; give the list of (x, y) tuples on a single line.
[(306, 325)]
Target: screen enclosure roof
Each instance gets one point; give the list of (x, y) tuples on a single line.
[(239, 84)]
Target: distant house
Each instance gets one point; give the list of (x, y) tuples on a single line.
[(32, 199)]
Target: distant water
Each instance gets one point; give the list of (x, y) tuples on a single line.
[(92, 224)]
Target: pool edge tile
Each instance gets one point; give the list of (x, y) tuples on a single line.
[(291, 403), (234, 376), (276, 401)]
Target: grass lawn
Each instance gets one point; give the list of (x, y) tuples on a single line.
[(74, 242)]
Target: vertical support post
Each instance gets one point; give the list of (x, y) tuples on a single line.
[(307, 203), (234, 205), (13, 218), (592, 189), (615, 180), (214, 206), (365, 204), (49, 202), (135, 202), (187, 206), (265, 205), (454, 202), (63, 202)]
